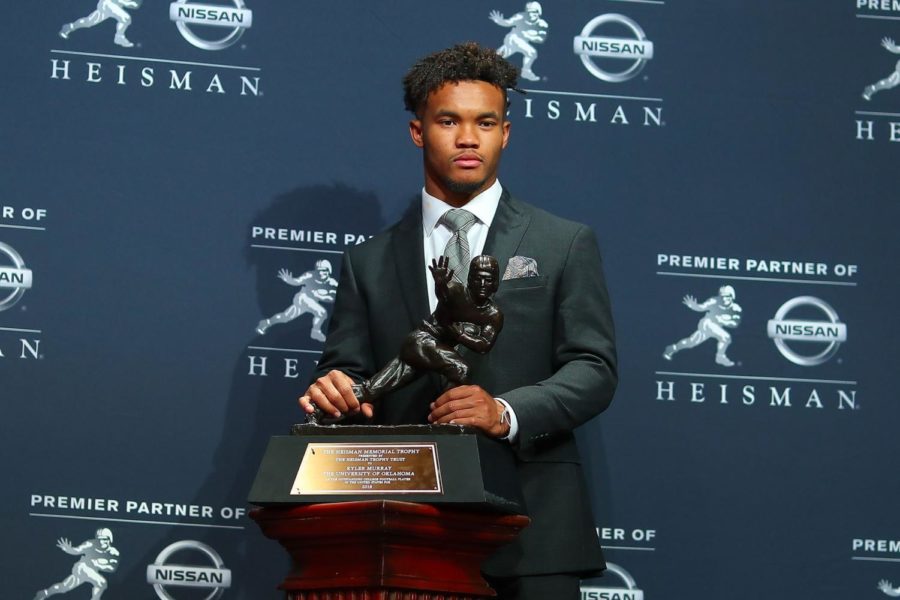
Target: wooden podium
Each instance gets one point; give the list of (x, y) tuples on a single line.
[(386, 549), (387, 544)]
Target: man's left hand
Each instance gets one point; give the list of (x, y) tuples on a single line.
[(469, 405)]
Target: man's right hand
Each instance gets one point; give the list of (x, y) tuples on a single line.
[(333, 393)]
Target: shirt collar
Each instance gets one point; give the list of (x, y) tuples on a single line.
[(483, 206)]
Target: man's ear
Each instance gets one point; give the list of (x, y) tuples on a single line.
[(415, 132)]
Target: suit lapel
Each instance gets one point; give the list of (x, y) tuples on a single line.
[(507, 229), (509, 225), (409, 261)]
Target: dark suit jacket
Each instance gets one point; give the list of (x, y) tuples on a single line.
[(554, 362)]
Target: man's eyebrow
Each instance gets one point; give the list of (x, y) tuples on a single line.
[(449, 113)]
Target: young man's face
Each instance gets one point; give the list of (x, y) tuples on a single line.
[(462, 131)]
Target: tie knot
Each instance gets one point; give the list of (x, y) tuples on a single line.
[(458, 219)]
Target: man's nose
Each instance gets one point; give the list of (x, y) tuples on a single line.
[(467, 138)]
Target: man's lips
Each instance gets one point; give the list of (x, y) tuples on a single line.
[(468, 161)]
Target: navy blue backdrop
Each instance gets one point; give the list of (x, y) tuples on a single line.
[(159, 171)]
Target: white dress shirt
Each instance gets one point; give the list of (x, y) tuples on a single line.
[(484, 207)]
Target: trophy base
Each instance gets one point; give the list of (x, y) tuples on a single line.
[(434, 464)]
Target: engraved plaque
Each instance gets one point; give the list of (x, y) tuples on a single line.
[(368, 468)]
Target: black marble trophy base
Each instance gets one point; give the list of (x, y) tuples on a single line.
[(475, 470)]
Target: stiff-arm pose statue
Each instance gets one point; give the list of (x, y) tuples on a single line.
[(465, 316)]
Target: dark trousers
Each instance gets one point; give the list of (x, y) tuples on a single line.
[(538, 587)]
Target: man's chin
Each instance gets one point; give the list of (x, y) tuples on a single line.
[(464, 187)]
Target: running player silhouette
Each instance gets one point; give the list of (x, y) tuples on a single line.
[(106, 9), (317, 286), (527, 28), (97, 556), (721, 312), (892, 80)]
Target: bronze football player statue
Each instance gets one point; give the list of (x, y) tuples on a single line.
[(465, 316)]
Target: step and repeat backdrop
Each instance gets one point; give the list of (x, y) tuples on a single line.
[(180, 179)]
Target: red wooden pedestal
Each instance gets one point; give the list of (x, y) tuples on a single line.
[(386, 550)]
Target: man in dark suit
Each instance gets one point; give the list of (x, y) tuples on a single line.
[(552, 368)]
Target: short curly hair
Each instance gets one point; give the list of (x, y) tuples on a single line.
[(462, 62)]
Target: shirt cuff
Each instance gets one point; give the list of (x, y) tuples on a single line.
[(513, 422)]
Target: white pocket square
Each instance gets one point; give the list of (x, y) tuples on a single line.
[(519, 267)]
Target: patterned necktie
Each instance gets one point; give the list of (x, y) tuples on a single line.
[(459, 221)]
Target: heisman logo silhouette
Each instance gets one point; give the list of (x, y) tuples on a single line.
[(721, 312), (317, 287), (892, 80), (106, 9), (888, 588), (527, 28), (97, 556)]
